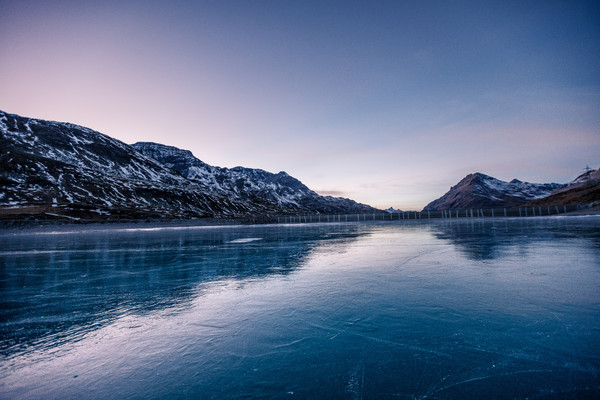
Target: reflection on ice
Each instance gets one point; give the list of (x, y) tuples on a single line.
[(65, 285), (502, 309), (482, 239)]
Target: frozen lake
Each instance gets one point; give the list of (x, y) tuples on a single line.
[(450, 309)]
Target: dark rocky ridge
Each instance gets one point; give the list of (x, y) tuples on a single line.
[(50, 169)]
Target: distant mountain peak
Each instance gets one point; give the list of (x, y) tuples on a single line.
[(478, 190), (393, 210)]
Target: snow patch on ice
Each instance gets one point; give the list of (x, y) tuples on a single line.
[(244, 240)]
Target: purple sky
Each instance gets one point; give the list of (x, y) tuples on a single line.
[(388, 103)]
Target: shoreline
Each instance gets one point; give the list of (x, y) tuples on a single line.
[(67, 225)]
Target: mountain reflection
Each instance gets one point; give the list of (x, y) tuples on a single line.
[(482, 239), (56, 287)]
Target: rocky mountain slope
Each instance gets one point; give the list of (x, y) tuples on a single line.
[(482, 191), (59, 169)]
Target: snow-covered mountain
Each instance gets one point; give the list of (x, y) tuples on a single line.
[(584, 189), (482, 191), (392, 210), (241, 184), (54, 168)]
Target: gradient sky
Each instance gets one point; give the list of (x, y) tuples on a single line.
[(388, 103)]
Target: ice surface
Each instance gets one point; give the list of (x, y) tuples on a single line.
[(452, 309)]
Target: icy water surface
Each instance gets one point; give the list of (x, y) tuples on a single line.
[(467, 309)]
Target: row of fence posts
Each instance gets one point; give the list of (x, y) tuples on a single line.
[(444, 214), (348, 217)]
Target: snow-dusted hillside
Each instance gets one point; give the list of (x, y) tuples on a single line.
[(589, 177), (584, 189), (49, 168), (482, 191), (259, 187)]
